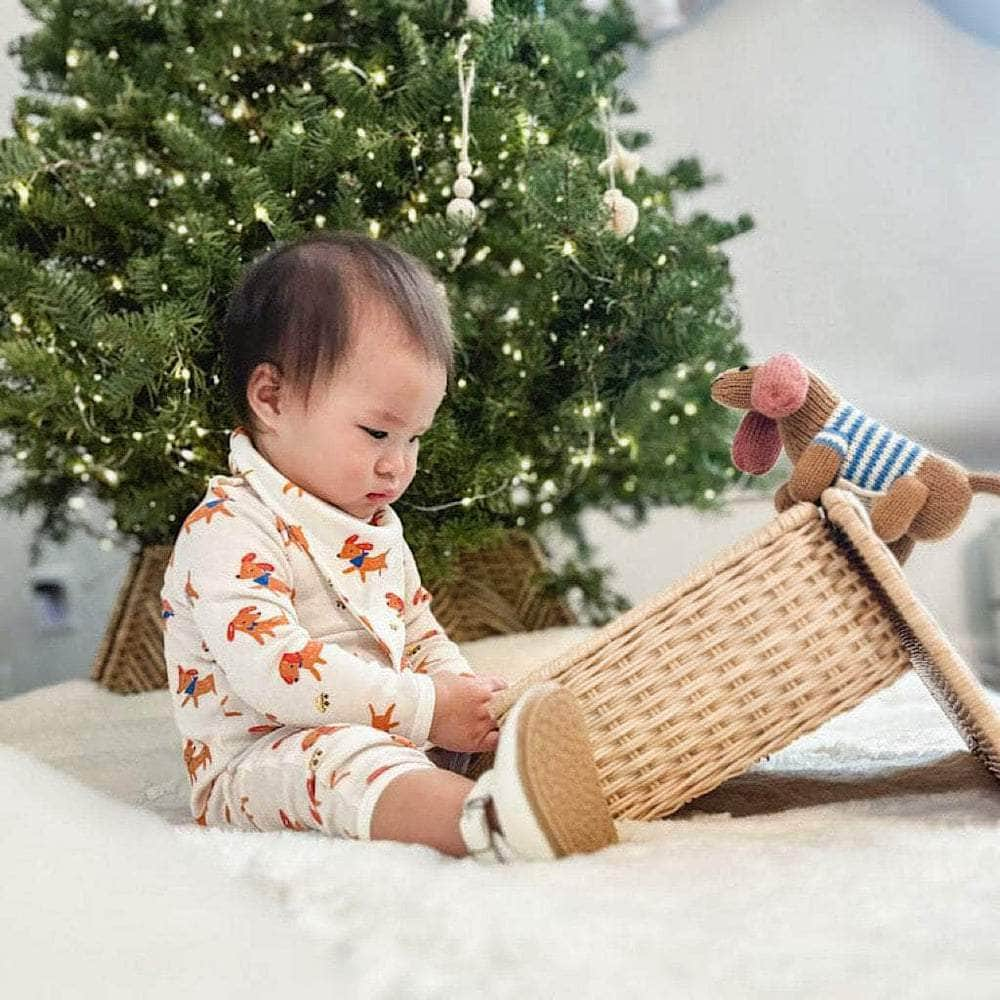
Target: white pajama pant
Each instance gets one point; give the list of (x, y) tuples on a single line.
[(327, 778)]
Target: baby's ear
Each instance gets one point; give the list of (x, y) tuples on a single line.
[(264, 393)]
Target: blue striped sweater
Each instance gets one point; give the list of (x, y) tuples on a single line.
[(872, 455)]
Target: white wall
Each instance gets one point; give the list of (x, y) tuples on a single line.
[(864, 139), (14, 21), (31, 654)]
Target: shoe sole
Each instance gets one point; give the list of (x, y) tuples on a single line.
[(565, 806)]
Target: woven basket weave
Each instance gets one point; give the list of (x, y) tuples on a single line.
[(790, 627), (495, 591)]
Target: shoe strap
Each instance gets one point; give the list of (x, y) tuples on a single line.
[(481, 840)]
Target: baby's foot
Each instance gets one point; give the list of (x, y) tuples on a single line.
[(543, 798)]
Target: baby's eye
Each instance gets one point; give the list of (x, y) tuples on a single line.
[(378, 435)]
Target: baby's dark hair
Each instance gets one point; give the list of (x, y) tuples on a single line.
[(292, 307)]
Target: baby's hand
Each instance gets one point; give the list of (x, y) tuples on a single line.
[(496, 683), (462, 718)]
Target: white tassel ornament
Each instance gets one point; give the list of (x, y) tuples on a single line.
[(622, 160)]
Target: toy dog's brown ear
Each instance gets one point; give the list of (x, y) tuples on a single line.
[(757, 444)]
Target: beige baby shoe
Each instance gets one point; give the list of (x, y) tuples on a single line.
[(544, 786)]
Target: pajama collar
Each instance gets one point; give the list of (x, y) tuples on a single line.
[(362, 560)]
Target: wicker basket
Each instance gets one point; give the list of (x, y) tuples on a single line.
[(495, 591), (792, 626)]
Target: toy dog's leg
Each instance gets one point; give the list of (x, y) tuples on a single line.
[(783, 499), (893, 512), (902, 547)]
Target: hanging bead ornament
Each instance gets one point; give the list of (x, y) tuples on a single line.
[(481, 10), (624, 212), (461, 208)]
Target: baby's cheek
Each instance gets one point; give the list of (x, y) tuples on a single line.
[(353, 462)]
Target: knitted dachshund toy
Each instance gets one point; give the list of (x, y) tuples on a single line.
[(911, 493)]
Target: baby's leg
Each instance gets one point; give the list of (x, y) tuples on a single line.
[(423, 807), (348, 781)]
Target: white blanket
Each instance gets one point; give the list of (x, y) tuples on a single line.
[(862, 860)]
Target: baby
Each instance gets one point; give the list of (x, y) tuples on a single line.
[(312, 686)]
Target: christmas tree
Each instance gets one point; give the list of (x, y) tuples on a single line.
[(164, 145)]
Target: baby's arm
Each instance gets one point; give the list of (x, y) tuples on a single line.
[(272, 662), (427, 643)]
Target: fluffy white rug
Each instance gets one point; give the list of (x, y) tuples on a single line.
[(862, 860)]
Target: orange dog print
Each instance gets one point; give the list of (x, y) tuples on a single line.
[(195, 759), (261, 574), (305, 659), (317, 731), (357, 553), (413, 649), (288, 824), (189, 684), (244, 799), (381, 770), (382, 721), (248, 621), (292, 533), (314, 761), (266, 727), (208, 509)]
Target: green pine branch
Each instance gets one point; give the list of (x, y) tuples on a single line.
[(166, 146)]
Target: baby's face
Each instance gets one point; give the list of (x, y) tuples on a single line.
[(360, 434)]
